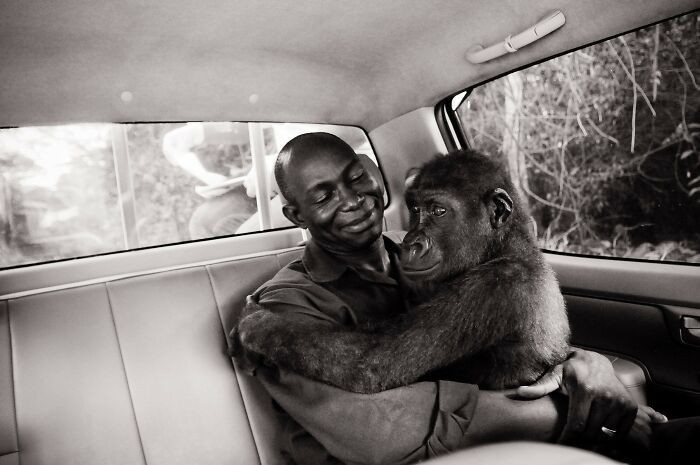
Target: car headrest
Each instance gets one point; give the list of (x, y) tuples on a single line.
[(374, 171)]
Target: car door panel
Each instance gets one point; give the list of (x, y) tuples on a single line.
[(639, 319)]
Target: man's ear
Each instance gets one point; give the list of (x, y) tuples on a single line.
[(500, 207), (291, 212)]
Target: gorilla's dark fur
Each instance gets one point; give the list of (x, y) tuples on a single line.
[(491, 311)]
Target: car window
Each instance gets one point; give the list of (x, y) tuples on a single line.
[(604, 143), (83, 189)]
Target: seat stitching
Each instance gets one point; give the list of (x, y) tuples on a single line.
[(235, 372), (126, 376)]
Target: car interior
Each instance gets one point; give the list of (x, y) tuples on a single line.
[(121, 355)]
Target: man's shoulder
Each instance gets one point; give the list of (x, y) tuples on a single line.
[(292, 273), (289, 278)]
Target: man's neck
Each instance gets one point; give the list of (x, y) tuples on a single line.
[(375, 257)]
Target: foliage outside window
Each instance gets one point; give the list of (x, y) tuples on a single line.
[(83, 189), (604, 143)]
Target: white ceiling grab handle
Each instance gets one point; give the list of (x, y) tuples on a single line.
[(513, 43)]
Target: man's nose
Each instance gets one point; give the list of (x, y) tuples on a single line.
[(350, 199)]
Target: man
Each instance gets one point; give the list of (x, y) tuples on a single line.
[(350, 273)]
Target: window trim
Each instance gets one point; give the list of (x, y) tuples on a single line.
[(125, 187)]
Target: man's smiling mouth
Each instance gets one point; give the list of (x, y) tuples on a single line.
[(361, 223)]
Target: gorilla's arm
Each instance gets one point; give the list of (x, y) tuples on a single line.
[(398, 352)]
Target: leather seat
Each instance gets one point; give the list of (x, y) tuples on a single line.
[(136, 371)]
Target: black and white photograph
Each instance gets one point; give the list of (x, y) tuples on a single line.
[(364, 232)]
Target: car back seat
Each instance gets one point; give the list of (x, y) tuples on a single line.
[(135, 371)]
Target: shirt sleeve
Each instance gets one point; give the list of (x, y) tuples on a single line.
[(401, 425), (304, 300)]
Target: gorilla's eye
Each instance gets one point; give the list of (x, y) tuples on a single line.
[(415, 209), (438, 211)]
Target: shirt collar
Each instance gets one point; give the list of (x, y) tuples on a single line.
[(323, 267)]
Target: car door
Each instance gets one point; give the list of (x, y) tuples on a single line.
[(604, 143)]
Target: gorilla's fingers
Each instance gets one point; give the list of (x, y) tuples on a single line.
[(548, 383), (256, 329)]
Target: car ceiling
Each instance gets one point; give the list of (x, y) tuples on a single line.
[(362, 62)]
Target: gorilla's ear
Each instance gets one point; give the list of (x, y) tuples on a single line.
[(500, 207), (411, 176)]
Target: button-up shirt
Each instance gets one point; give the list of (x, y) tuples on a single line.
[(324, 424)]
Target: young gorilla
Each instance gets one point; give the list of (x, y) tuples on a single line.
[(488, 308)]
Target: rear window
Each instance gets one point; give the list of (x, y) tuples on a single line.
[(82, 189), (604, 143)]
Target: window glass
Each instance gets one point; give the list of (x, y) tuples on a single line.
[(604, 143), (82, 189)]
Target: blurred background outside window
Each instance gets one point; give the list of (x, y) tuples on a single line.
[(604, 143), (83, 189)]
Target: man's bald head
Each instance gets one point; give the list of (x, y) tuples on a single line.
[(296, 148)]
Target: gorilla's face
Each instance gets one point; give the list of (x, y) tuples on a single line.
[(445, 235), (457, 213)]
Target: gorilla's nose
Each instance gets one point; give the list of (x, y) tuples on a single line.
[(416, 249)]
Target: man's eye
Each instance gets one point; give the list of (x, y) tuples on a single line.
[(322, 198), (357, 176), (438, 211)]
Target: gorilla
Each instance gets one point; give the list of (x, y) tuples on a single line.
[(487, 308)]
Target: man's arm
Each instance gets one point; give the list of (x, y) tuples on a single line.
[(410, 423), (596, 399)]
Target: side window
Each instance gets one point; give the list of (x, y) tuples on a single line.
[(83, 189), (604, 143)]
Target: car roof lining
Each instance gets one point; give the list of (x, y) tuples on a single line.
[(361, 63)]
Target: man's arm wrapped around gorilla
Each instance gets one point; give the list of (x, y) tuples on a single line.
[(433, 335)]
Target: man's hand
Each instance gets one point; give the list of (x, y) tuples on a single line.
[(597, 399)]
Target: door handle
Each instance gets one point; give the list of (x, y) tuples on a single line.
[(690, 330)]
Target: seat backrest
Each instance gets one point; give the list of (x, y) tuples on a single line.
[(134, 371)]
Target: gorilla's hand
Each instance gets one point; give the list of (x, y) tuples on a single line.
[(260, 333)]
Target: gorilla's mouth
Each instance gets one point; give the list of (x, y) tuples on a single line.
[(418, 270), (418, 257)]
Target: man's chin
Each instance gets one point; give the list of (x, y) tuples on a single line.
[(365, 238)]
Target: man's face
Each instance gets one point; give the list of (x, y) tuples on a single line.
[(336, 199)]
